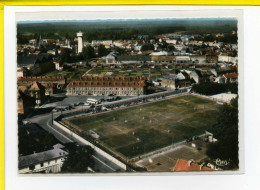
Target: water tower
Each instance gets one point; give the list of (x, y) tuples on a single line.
[(80, 41)]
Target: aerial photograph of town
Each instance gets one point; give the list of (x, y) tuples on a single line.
[(127, 96)]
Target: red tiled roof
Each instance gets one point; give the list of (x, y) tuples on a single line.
[(117, 81), (49, 85), (31, 50), (41, 78), (231, 75), (212, 53), (233, 67), (183, 165), (35, 86)]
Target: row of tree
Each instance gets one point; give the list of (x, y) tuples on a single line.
[(211, 88)]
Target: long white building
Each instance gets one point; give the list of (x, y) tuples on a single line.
[(49, 161)]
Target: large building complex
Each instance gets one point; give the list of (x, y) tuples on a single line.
[(51, 84), (105, 86)]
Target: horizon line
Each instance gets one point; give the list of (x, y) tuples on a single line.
[(134, 19)]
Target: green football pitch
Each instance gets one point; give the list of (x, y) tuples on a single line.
[(134, 131)]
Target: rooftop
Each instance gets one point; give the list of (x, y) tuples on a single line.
[(40, 157), (109, 81), (41, 78), (183, 165), (33, 59)]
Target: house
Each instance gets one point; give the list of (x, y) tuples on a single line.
[(220, 79), (183, 75), (231, 77), (37, 91), (118, 43), (138, 59), (226, 75), (58, 65), (184, 83), (53, 52), (182, 59), (111, 59), (198, 59), (35, 63), (183, 79), (201, 76), (23, 71), (212, 58), (31, 63), (50, 161), (171, 41), (160, 53), (106, 43), (169, 82), (179, 47), (33, 41), (56, 83), (183, 165), (163, 59), (227, 58)]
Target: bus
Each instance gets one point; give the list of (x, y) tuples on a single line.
[(93, 101)]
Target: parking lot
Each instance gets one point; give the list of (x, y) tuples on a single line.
[(63, 100)]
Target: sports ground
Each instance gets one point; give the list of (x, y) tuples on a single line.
[(134, 131)]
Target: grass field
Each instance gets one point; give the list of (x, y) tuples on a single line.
[(158, 72), (71, 74), (141, 129)]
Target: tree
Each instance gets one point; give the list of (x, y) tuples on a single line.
[(78, 161), (147, 47), (226, 130), (88, 52), (171, 48), (211, 88), (65, 55), (102, 51), (121, 51), (36, 141)]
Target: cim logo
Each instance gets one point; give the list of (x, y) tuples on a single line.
[(220, 162)]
